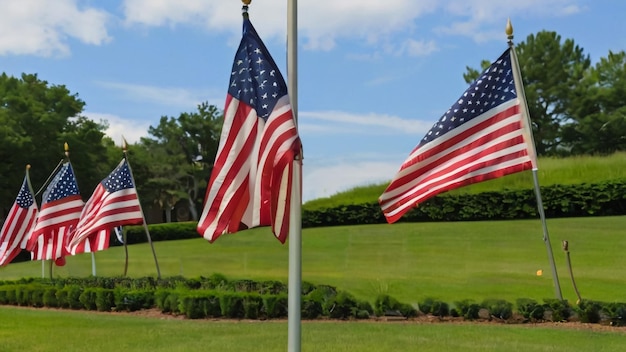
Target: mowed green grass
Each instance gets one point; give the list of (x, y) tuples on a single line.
[(410, 261), (451, 261), (26, 329)]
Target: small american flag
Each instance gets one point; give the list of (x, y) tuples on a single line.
[(19, 223), (60, 210), (251, 182), (113, 203), (484, 135)]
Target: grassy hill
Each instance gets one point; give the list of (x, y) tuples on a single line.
[(409, 261), (571, 170)]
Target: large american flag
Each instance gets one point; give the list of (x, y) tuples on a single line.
[(484, 135), (251, 181), (18, 224), (61, 206), (113, 203)]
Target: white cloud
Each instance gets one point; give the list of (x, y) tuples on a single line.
[(419, 47), (119, 127), (43, 27), (323, 23), (380, 123), (321, 181), (485, 20), (164, 96)]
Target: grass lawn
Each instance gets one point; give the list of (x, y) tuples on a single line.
[(28, 329), (409, 261)]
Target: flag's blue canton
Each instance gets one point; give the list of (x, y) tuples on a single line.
[(24, 197), (494, 87), (118, 179), (255, 78), (63, 185)]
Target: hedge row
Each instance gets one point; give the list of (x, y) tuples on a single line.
[(600, 199), (194, 298), (229, 299)]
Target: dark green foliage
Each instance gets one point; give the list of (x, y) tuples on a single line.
[(276, 306), (50, 298), (435, 307), (440, 309), (560, 310), (167, 301), (467, 309), (385, 304), (499, 308), (530, 309), (322, 294), (311, 308), (307, 287), (69, 297), (180, 296), (252, 304), (342, 306), (598, 199), (616, 313), (191, 307), (588, 311), (408, 311), (132, 300), (161, 232), (231, 304), (105, 299), (88, 298)]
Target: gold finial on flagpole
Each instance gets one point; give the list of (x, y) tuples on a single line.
[(27, 166), (509, 30), (244, 8), (67, 149)]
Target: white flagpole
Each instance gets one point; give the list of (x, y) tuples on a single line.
[(295, 226), (519, 86)]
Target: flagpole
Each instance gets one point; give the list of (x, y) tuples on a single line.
[(295, 228), (519, 86), (93, 256), (145, 226)]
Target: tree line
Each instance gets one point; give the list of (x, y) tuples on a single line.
[(575, 107)]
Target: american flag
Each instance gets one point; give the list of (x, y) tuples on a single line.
[(60, 210), (18, 224), (251, 181), (113, 203), (484, 135)]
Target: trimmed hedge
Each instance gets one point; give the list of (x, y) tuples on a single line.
[(245, 299), (600, 199)]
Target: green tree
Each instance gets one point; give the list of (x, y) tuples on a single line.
[(551, 70), (36, 120), (598, 125), (175, 161)]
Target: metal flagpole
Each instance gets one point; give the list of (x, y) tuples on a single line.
[(43, 262), (145, 225), (295, 226), (519, 86)]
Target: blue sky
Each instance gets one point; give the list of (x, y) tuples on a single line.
[(372, 75)]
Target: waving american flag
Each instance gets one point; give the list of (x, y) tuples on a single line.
[(113, 203), (18, 224), (483, 135), (251, 181), (60, 210)]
